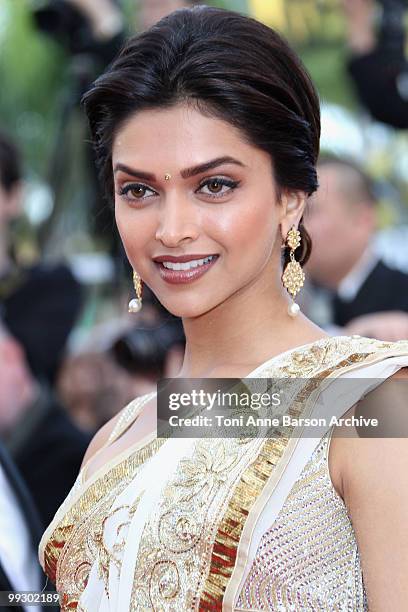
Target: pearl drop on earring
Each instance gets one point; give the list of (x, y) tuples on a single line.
[(293, 276), (293, 309), (135, 305)]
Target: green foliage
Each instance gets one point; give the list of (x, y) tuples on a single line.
[(326, 65), (32, 72)]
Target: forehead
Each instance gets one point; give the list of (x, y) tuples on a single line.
[(181, 136)]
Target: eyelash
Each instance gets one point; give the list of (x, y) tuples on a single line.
[(123, 191)]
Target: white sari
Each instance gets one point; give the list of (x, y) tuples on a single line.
[(176, 525)]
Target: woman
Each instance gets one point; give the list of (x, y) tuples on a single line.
[(206, 129)]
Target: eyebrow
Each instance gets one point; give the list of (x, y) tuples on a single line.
[(186, 173)]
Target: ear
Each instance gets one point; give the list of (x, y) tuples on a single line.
[(292, 208)]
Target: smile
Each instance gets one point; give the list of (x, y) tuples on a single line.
[(188, 265), (185, 272)]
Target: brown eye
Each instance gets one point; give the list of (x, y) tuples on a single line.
[(138, 191), (215, 186)]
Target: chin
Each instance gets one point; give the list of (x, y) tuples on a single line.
[(185, 310)]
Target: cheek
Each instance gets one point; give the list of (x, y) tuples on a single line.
[(247, 232), (254, 222), (135, 229), (123, 227)]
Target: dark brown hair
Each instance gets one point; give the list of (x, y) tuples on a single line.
[(233, 68)]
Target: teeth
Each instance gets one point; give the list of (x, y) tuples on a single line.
[(188, 265)]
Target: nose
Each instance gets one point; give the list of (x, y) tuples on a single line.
[(178, 221)]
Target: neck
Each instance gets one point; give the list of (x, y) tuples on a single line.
[(241, 333)]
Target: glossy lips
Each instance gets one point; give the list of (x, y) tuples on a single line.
[(183, 276)]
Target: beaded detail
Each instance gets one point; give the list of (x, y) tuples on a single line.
[(128, 415), (308, 559)]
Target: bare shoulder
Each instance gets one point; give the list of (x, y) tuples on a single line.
[(372, 479), (387, 405)]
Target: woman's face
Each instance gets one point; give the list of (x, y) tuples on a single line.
[(219, 199)]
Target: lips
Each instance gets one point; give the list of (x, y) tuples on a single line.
[(176, 277), (181, 258)]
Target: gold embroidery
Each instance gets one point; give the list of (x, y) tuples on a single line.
[(73, 546), (112, 554), (173, 545)]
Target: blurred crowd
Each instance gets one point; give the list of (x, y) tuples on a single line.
[(56, 392)]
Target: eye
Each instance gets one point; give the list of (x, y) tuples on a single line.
[(136, 191), (217, 187)]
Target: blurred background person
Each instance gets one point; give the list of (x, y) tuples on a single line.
[(20, 533), (20, 523), (362, 295), (38, 307), (39, 303), (37, 431)]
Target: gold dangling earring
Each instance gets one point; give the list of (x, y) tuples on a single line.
[(136, 303), (293, 277)]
